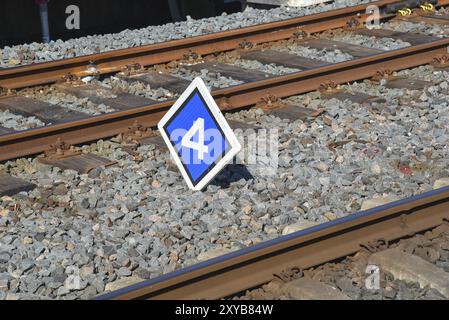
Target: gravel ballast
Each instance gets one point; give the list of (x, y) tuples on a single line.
[(55, 97), (364, 41), (75, 235), (17, 122)]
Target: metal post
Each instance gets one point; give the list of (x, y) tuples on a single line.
[(43, 11), (175, 11)]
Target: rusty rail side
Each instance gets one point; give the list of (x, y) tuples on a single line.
[(114, 61), (82, 131), (223, 276)]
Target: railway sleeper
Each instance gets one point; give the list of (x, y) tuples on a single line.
[(356, 97), (309, 289), (412, 38), (282, 58), (354, 50), (158, 80), (82, 163), (10, 185), (46, 112), (64, 156), (410, 84), (428, 19), (291, 112), (101, 95), (411, 268), (230, 71)]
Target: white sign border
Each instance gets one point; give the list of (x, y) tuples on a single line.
[(199, 84)]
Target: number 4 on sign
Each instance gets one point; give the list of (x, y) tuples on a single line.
[(187, 142)]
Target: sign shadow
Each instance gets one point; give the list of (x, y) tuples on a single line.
[(232, 173)]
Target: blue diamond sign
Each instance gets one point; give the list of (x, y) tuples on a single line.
[(198, 136)]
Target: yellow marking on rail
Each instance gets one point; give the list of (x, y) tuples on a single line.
[(427, 7), (405, 12)]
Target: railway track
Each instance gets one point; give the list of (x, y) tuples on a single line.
[(413, 268), (284, 258), (75, 127), (224, 55)]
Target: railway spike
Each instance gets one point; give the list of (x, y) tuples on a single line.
[(191, 56), (59, 150), (131, 69), (5, 92), (289, 274), (131, 139), (353, 23), (245, 45), (383, 74), (329, 86), (376, 245), (441, 61), (69, 78), (301, 35), (269, 102)]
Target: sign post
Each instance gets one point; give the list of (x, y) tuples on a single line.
[(200, 140)]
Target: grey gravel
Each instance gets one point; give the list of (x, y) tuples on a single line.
[(39, 52), (211, 79), (370, 42), (435, 30), (234, 59), (332, 56), (55, 97), (268, 68), (138, 88), (17, 122), (138, 219), (76, 233)]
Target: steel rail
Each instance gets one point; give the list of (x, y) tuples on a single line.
[(114, 61), (82, 131), (253, 266)]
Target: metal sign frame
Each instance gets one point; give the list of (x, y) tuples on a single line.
[(198, 86)]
